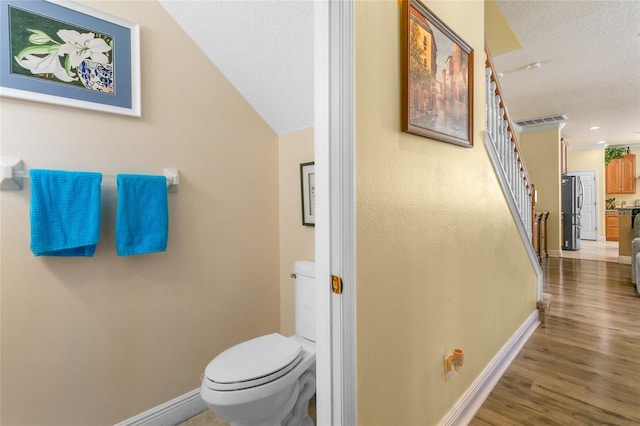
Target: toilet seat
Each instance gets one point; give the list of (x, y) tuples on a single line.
[(253, 363)]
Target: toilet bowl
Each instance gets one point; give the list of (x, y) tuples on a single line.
[(270, 379)]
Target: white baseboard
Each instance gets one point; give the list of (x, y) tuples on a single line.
[(170, 413), (625, 260), (470, 402), (188, 405)]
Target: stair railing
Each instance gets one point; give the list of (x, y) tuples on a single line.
[(502, 144)]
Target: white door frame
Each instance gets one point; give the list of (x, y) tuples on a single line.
[(335, 210), (593, 173)]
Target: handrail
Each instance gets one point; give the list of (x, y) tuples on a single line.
[(507, 155), (514, 138)]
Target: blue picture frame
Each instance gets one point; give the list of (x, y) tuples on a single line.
[(66, 53)]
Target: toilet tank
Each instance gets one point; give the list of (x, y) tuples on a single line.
[(305, 291)]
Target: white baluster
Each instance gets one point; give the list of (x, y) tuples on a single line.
[(503, 143), (496, 125), (501, 137), (488, 94), (490, 112)]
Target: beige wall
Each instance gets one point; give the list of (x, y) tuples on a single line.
[(592, 159), (97, 340), (541, 151), (440, 263), (296, 240)]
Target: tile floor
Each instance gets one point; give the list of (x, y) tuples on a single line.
[(207, 418), (604, 251)]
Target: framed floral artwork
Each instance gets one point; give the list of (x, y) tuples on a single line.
[(437, 91), (66, 53)]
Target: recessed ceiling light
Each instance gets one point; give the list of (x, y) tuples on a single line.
[(594, 127), (534, 65), (602, 142)]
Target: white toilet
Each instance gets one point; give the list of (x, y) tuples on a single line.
[(269, 380)]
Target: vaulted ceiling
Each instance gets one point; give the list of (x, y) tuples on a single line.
[(588, 51), (263, 47)]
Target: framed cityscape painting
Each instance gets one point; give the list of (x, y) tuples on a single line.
[(437, 98), (66, 53)]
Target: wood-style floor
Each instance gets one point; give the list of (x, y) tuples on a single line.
[(583, 366)]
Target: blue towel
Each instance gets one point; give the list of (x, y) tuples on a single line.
[(65, 212), (142, 216)]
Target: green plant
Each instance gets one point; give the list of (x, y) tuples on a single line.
[(611, 153)]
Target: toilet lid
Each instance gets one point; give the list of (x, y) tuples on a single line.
[(254, 359)]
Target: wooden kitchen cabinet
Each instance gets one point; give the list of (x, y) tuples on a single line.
[(611, 225), (621, 175)]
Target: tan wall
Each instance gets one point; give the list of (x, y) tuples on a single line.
[(541, 151), (296, 240), (592, 159), (97, 340), (440, 263)]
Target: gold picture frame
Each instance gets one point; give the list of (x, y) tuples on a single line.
[(437, 95)]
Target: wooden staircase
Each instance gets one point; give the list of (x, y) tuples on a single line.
[(502, 145), (503, 138)]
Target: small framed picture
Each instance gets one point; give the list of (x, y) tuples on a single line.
[(308, 192)]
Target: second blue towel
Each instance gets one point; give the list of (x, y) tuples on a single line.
[(142, 216)]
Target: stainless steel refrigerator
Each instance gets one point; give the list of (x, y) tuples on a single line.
[(572, 198)]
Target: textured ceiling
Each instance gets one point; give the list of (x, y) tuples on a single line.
[(589, 53), (263, 47)]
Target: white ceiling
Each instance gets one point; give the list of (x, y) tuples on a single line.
[(263, 47), (589, 53)]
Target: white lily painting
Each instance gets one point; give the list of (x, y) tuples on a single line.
[(66, 55)]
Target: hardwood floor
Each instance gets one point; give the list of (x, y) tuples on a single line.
[(583, 366)]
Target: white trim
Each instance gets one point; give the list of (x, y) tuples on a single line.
[(342, 178), (522, 229), (593, 173), (335, 209), (170, 413), (470, 402), (324, 400), (554, 253)]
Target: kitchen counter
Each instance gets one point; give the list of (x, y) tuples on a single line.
[(625, 232), (627, 208)]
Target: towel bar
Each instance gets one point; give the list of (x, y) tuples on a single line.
[(12, 174)]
